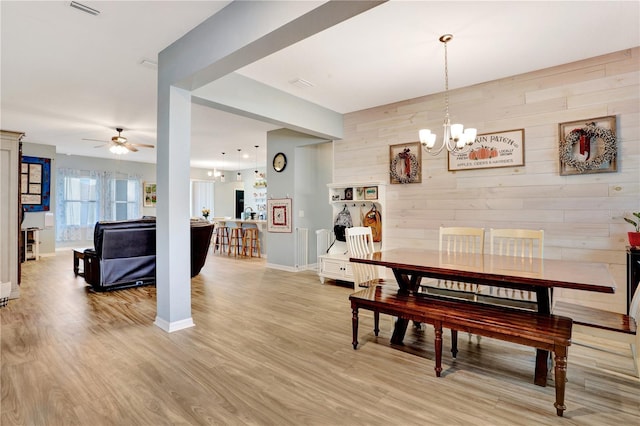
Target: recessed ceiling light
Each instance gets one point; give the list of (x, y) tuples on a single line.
[(84, 8), (302, 83)]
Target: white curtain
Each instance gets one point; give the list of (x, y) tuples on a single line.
[(201, 197), (134, 195), (78, 204), (107, 195)]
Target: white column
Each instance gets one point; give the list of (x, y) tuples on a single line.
[(173, 248)]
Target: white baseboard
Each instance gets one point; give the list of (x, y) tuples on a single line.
[(170, 327), (5, 289), (292, 268)]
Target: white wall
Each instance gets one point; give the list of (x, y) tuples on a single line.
[(312, 210), (292, 183), (581, 215)]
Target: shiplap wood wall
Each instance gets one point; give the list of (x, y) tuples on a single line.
[(581, 215)]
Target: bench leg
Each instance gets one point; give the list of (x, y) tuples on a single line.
[(560, 378), (438, 347), (354, 326), (376, 322), (454, 343)]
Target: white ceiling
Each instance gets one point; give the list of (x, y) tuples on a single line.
[(67, 75)]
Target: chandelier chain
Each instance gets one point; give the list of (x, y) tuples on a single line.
[(446, 81)]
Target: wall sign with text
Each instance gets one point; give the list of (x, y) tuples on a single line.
[(490, 150)]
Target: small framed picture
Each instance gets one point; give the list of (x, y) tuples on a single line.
[(371, 193), (279, 215), (149, 194), (348, 193)]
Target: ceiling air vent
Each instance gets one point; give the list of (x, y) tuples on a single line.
[(302, 83), (84, 8)]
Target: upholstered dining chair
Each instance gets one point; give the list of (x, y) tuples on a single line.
[(524, 244)]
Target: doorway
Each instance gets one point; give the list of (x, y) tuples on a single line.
[(239, 203)]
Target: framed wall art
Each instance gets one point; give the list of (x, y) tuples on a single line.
[(371, 193), (149, 194), (35, 184), (405, 163), (491, 150), (279, 215), (588, 146)]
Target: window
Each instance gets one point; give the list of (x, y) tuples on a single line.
[(201, 197), (86, 197), (78, 206), (126, 199)]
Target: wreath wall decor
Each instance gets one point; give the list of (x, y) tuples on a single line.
[(588, 146), (405, 163)]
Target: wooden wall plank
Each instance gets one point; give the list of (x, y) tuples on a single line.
[(581, 215)]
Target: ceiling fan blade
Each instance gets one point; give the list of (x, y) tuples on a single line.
[(95, 140), (130, 147), (142, 145), (100, 146)]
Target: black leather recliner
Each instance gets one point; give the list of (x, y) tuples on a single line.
[(124, 253)]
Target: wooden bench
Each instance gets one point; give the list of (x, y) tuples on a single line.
[(606, 325), (547, 332)]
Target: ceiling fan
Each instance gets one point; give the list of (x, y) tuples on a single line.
[(119, 144)]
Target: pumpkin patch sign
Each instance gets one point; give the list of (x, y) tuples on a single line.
[(490, 150)]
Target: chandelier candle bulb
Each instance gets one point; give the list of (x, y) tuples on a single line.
[(456, 131), (428, 138)]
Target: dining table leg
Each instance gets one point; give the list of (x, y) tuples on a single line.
[(407, 283), (543, 300)]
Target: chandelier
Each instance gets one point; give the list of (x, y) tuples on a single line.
[(456, 139)]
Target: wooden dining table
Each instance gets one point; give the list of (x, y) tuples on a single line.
[(538, 275)]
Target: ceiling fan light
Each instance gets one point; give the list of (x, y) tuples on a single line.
[(118, 149)]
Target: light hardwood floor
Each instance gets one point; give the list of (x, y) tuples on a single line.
[(269, 348)]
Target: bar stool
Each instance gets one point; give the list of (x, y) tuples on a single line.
[(235, 239), (251, 240), (221, 237)]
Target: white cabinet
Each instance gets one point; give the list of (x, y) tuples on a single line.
[(31, 243), (336, 267), (358, 198)]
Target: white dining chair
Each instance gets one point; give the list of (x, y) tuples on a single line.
[(454, 241), (525, 244), (360, 243)]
